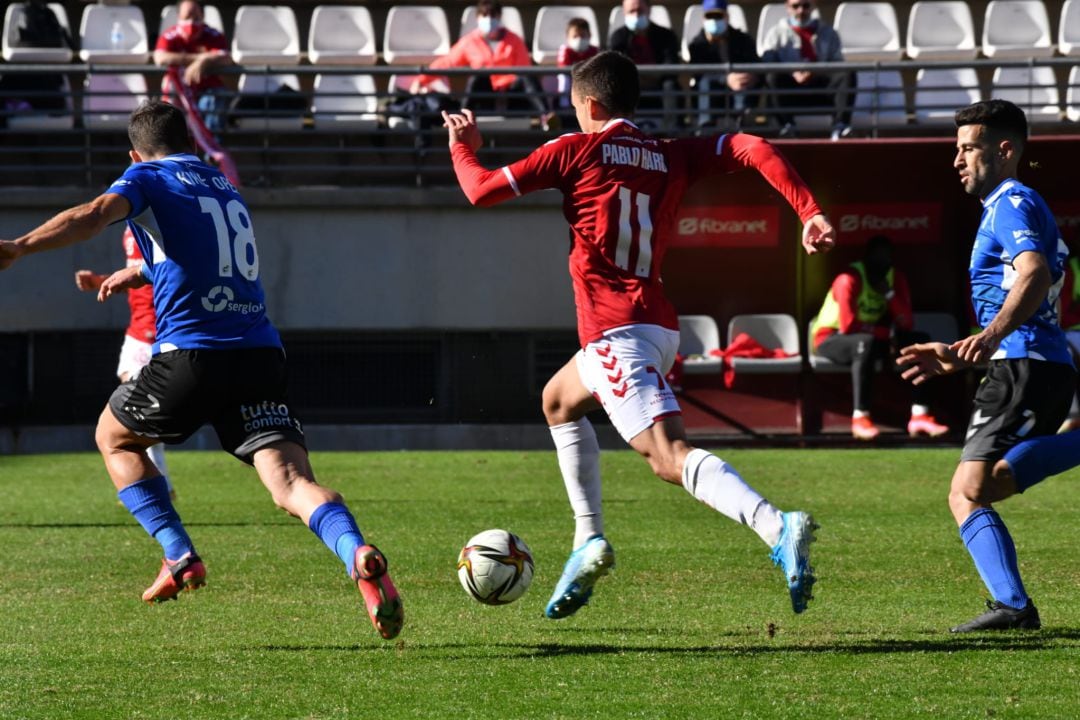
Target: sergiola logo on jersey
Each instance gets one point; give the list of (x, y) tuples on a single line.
[(267, 414), (220, 299), (633, 157)]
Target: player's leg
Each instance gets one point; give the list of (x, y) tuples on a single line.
[(565, 403), (135, 354), (921, 422), (856, 351)]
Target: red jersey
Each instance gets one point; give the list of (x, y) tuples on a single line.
[(622, 190), (143, 323), (567, 56), (176, 39)]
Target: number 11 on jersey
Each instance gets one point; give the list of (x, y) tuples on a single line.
[(630, 235)]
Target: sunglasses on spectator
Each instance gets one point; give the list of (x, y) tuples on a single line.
[(799, 6)]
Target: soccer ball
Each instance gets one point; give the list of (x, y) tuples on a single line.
[(495, 567)]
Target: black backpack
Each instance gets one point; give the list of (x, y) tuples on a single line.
[(40, 27)]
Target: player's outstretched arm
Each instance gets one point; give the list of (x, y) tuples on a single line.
[(482, 186), (928, 360), (463, 129), (818, 235), (77, 224), (88, 280), (122, 280)]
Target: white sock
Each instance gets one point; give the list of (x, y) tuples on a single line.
[(860, 413), (919, 410), (579, 461), (718, 485), (156, 453)]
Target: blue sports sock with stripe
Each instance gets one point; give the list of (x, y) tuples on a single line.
[(1034, 460), (992, 549), (148, 500), (336, 527)]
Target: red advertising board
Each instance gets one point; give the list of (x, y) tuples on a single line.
[(734, 226), (904, 223)]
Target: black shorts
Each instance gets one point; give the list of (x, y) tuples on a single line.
[(241, 393), (1018, 399)]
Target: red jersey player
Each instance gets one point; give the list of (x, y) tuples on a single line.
[(622, 190), (140, 334)]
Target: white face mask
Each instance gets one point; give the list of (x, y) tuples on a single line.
[(578, 44), (488, 24), (636, 23), (715, 26)]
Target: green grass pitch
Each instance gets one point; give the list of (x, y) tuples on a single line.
[(693, 623)]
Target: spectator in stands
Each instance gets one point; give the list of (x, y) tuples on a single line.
[(803, 38), (647, 43), (718, 42), (1070, 319), (578, 47), (863, 306), (492, 45), (199, 49)]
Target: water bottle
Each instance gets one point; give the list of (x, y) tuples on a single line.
[(116, 37)]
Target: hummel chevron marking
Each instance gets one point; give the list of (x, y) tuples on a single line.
[(610, 364), (621, 391)]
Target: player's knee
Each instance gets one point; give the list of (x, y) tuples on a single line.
[(554, 408)]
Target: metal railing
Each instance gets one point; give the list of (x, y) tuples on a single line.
[(74, 135)]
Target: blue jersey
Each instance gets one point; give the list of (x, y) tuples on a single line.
[(1016, 220), (196, 236)]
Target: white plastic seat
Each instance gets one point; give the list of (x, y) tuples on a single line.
[(941, 30), (345, 102), (211, 16), (1069, 29), (550, 30), (770, 16), (511, 19), (774, 331), (1033, 89), (1016, 29), (1072, 95), (869, 31), (96, 33), (698, 335), (14, 18), (940, 92), (694, 20), (879, 99), (657, 14), (341, 35), (266, 85), (108, 100), (415, 34), (45, 120), (266, 34), (941, 327)]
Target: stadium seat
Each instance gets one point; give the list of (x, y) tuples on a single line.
[(694, 18), (698, 335), (14, 19), (41, 120), (268, 117), (1069, 29), (1016, 29), (1072, 95), (511, 18), (941, 327), (99, 25), (941, 30), (774, 331), (415, 34), (341, 35), (345, 102), (550, 30), (869, 31), (1033, 89), (109, 99), (939, 92), (211, 16), (266, 34), (879, 99), (657, 14)]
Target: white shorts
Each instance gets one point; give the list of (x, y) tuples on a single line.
[(625, 371), (134, 355)]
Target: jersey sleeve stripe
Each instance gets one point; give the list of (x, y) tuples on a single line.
[(513, 182)]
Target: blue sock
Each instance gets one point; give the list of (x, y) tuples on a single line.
[(335, 526), (148, 500), (1034, 460), (992, 549)]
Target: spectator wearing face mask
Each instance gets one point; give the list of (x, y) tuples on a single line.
[(199, 49), (492, 45), (647, 43), (578, 47), (716, 43)]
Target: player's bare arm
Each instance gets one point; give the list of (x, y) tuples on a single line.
[(128, 278), (463, 129), (88, 280), (1028, 291), (928, 360), (74, 225), (818, 235)]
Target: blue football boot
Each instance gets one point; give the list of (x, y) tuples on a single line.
[(792, 554), (583, 568)]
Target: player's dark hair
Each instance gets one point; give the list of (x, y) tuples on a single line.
[(579, 24), (489, 8), (157, 128), (611, 78), (1002, 119)]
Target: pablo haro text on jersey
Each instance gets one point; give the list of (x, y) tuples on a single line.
[(632, 156)]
